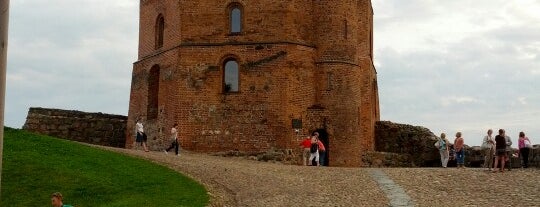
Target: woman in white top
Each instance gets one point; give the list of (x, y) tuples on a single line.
[(488, 145), (174, 137), (141, 136), (443, 150)]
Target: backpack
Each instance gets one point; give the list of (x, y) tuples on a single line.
[(442, 145), (314, 147)]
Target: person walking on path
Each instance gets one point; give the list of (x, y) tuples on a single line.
[(306, 144), (500, 147), (508, 150), (322, 151), (141, 136), (460, 151), (174, 136), (443, 150), (57, 200), (524, 145), (488, 146), (314, 150)]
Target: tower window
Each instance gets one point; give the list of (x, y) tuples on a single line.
[(153, 93), (345, 29), (231, 76), (235, 18), (160, 28)]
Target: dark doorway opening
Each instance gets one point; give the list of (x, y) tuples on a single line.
[(323, 136)]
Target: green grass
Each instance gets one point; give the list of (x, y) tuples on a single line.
[(35, 166)]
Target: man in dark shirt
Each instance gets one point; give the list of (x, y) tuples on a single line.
[(500, 149)]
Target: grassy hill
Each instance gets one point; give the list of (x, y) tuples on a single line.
[(35, 166)]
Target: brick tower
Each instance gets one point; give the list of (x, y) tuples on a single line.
[(256, 75)]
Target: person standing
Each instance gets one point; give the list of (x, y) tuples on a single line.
[(57, 200), (306, 144), (322, 151), (500, 148), (174, 137), (443, 150), (488, 145), (314, 150), (459, 144), (508, 150), (141, 136), (524, 145)]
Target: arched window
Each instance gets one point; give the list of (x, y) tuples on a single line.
[(231, 76), (235, 18), (160, 28), (153, 93)]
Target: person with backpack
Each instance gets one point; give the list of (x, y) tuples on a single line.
[(314, 150), (443, 150)]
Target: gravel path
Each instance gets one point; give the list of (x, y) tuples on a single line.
[(242, 182), (469, 186)]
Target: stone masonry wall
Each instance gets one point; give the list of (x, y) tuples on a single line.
[(415, 141), (401, 145), (93, 128)]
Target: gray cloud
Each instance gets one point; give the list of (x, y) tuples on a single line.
[(482, 74), (71, 55)]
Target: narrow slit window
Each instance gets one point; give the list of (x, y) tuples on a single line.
[(160, 29), (153, 93), (345, 29)]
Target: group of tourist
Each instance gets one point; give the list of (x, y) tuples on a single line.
[(314, 151), (496, 150), (142, 138)]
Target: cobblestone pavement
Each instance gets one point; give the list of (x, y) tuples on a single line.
[(242, 182), (469, 186)]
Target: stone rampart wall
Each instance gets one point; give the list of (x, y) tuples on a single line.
[(93, 128)]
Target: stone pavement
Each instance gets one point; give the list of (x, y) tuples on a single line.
[(242, 182)]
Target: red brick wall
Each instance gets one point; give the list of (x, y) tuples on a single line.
[(286, 51)]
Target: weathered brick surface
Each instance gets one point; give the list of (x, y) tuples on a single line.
[(94, 128), (299, 59)]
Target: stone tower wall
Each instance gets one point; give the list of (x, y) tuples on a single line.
[(299, 60)]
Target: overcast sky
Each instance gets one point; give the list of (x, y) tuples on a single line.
[(451, 66)]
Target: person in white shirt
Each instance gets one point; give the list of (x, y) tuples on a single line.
[(141, 136), (488, 145), (174, 137)]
